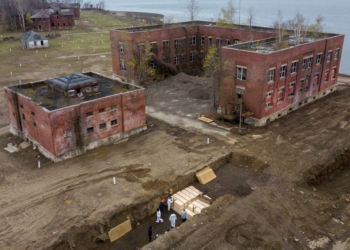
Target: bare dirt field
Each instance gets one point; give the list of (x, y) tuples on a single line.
[(287, 190)]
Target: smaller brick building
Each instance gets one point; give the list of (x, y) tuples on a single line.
[(57, 16), (68, 115)]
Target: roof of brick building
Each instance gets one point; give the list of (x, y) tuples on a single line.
[(72, 80)]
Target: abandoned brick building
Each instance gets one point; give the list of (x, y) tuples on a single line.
[(68, 115), (57, 16), (267, 80)]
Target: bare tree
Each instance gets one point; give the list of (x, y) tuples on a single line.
[(279, 26), (300, 28), (317, 29), (250, 18), (22, 8), (226, 17), (168, 19), (193, 8), (101, 5)]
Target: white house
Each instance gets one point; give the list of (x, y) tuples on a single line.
[(32, 40)]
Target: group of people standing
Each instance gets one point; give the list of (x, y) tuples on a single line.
[(172, 217)]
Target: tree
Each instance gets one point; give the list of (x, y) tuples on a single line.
[(317, 29), (193, 8), (22, 8), (218, 71), (101, 5), (168, 19), (279, 26), (226, 17), (300, 27), (250, 18)]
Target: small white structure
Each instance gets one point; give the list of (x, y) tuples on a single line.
[(33, 40)]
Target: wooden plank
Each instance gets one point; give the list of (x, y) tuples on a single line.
[(205, 119), (120, 230)]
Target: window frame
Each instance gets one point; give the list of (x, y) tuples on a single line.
[(294, 67), (193, 40), (283, 71), (241, 72), (319, 58), (271, 75)]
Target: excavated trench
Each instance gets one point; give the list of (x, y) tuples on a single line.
[(320, 174), (248, 173)]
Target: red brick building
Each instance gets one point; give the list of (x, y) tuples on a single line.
[(68, 115), (57, 16), (266, 83)]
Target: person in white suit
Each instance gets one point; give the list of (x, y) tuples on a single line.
[(158, 216), (172, 219), (169, 201)]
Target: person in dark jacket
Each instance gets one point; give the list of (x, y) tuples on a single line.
[(150, 233)]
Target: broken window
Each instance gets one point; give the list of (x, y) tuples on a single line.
[(294, 67), (121, 48), (303, 66), (71, 92), (176, 59), (102, 110), (114, 107), (329, 56), (114, 122), (166, 43), (34, 124), (176, 43), (193, 40), (88, 89), (33, 114), (241, 72), (227, 42), (210, 40), (336, 54), (153, 65), (318, 59), (192, 56), (309, 62), (68, 133), (333, 74), (89, 114), (271, 76), (283, 71), (103, 126), (21, 106), (153, 46), (23, 117), (202, 40), (95, 88), (326, 75), (90, 130), (122, 65)]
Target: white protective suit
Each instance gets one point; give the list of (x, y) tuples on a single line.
[(158, 216), (169, 201), (172, 219)]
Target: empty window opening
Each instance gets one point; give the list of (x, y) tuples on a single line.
[(88, 89), (314, 97), (103, 126), (71, 92), (279, 115), (89, 114), (90, 130), (34, 124), (95, 88), (33, 114), (68, 133), (102, 110), (114, 107), (300, 103), (290, 109), (21, 106), (23, 117), (114, 122)]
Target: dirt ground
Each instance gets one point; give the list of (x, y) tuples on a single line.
[(287, 190)]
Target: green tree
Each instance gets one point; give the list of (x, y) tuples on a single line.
[(316, 29), (226, 17), (218, 71)]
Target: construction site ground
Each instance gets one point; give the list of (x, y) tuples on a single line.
[(286, 190)]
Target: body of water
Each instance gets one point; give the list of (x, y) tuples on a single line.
[(335, 12)]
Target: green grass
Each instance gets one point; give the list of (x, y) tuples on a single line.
[(83, 45)]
